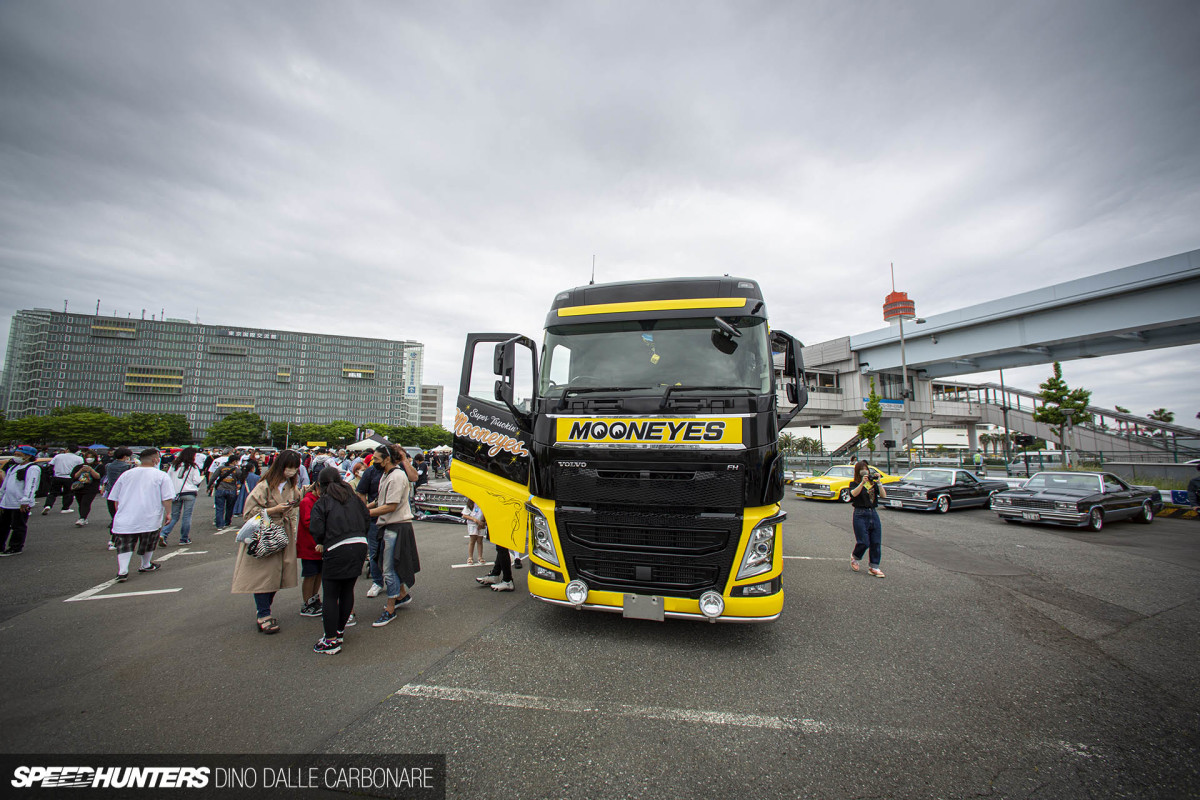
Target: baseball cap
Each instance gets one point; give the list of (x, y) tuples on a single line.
[(27, 450)]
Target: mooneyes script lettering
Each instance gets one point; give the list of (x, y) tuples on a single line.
[(496, 442)]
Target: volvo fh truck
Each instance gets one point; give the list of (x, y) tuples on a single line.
[(637, 460)]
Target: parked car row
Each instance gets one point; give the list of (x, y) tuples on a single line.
[(1077, 499)]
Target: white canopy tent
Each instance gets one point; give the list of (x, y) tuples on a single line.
[(370, 443)]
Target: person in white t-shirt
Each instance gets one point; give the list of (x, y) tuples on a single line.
[(60, 483), (143, 499)]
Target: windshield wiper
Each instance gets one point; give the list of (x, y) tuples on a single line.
[(562, 401), (676, 388)]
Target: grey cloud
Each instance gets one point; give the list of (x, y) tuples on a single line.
[(295, 164)]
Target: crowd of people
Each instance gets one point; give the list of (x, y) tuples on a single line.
[(339, 514)]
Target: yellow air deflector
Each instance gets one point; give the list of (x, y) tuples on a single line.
[(654, 305)]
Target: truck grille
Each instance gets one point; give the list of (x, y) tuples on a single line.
[(906, 494), (634, 575), (675, 540), (678, 487), (671, 554)]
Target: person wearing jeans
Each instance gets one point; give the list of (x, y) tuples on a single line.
[(226, 481), (865, 491), (186, 476), (398, 557), (367, 491)]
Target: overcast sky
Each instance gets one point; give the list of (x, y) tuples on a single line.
[(420, 170)]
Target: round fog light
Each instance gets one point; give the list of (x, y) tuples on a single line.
[(577, 592), (711, 605)]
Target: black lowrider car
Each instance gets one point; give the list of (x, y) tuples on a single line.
[(1077, 498), (438, 500), (940, 489)]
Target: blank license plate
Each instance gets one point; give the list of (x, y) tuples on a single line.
[(808, 493), (895, 504), (643, 606), (1032, 516)]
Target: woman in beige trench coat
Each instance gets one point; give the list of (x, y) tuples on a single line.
[(279, 494)]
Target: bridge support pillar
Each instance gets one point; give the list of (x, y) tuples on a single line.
[(972, 439)]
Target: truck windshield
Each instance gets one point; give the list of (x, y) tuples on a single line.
[(652, 354)]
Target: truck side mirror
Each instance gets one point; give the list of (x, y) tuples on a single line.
[(793, 374), (504, 364)]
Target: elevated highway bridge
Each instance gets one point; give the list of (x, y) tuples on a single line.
[(1141, 307)]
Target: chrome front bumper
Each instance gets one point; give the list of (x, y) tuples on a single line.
[(1075, 518)]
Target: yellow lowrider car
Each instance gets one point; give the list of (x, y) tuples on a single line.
[(834, 483)]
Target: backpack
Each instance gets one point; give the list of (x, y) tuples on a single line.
[(226, 477)]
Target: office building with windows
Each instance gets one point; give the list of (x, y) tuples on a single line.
[(206, 372), (431, 405)]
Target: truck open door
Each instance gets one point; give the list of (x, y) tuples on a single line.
[(493, 435)]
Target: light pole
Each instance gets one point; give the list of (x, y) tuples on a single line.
[(905, 394)]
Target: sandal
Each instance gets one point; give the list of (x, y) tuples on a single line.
[(470, 562), (268, 625), (854, 564), (875, 572)]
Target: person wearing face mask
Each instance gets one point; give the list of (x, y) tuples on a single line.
[(85, 483), (143, 499), (17, 497), (278, 494)]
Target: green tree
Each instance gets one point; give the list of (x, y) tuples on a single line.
[(340, 433), (809, 446), (869, 430), (279, 433), (239, 428), (29, 430), (81, 428), (177, 427), (788, 443), (1062, 406)]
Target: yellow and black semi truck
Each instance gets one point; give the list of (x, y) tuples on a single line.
[(637, 461)]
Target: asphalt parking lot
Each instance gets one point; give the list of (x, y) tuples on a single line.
[(999, 660)]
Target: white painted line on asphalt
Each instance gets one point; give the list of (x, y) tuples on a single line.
[(92, 591), (614, 709), (464, 566), (95, 590), (127, 594), (804, 725)]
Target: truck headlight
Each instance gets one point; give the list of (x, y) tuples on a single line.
[(760, 548), (542, 541), (1063, 505), (1001, 501)]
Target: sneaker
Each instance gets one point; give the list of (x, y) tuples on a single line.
[(384, 619), (163, 542), (350, 623), (79, 523), (310, 609), (185, 541), (875, 572), (503, 586), (374, 590), (45, 511), (517, 563), (327, 646), (488, 580), (10, 552), (122, 577), (112, 546), (403, 601), (66, 511), (150, 568)]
